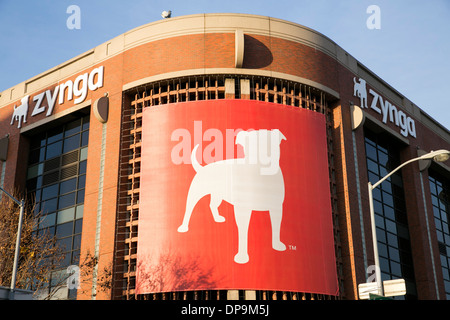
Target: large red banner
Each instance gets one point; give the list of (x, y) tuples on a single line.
[(234, 194)]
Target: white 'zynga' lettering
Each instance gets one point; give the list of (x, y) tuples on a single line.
[(78, 88), (86, 81), (386, 109)]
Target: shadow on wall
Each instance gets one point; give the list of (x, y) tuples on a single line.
[(171, 271), (256, 54)]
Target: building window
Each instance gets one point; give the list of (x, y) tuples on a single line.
[(394, 247), (440, 199), (56, 177)]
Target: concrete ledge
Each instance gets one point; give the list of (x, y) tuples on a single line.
[(19, 294)]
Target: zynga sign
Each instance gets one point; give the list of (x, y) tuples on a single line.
[(384, 107), (78, 89), (234, 194)]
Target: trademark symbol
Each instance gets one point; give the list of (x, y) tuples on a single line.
[(291, 247)]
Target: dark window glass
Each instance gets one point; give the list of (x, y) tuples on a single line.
[(85, 123), (381, 235), (80, 196), (373, 178), (57, 178), (384, 265), (65, 244), (50, 192), (38, 140), (31, 184), (72, 128), (55, 135), (390, 211), (53, 150), (76, 257), (34, 156), (68, 186), (66, 259), (64, 230), (382, 159), (82, 169), (84, 138), (382, 250), (81, 181), (371, 152), (38, 195), (378, 207), (372, 166), (394, 254), (66, 200), (440, 199), (78, 226), (396, 269), (71, 143), (49, 205), (76, 242)]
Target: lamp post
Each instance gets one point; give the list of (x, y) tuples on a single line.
[(17, 250), (440, 156)]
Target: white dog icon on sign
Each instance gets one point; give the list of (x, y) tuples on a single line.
[(360, 91), (20, 112), (254, 182)]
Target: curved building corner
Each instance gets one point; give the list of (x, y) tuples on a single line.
[(104, 142)]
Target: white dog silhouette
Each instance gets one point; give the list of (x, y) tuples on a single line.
[(20, 112), (360, 91), (251, 183)]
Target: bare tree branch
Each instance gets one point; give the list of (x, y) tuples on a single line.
[(40, 259)]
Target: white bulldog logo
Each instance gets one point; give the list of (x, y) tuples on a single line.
[(250, 183), (20, 112), (360, 91)]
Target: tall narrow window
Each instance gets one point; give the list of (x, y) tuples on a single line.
[(56, 176), (394, 247), (440, 198)]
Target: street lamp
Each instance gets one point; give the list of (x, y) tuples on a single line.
[(17, 250), (439, 156)]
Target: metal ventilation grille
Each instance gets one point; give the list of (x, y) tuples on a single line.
[(69, 172), (52, 164), (442, 248), (69, 158), (50, 178), (52, 171)]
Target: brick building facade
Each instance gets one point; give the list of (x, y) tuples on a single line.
[(228, 56)]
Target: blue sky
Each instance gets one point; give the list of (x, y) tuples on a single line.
[(411, 51)]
